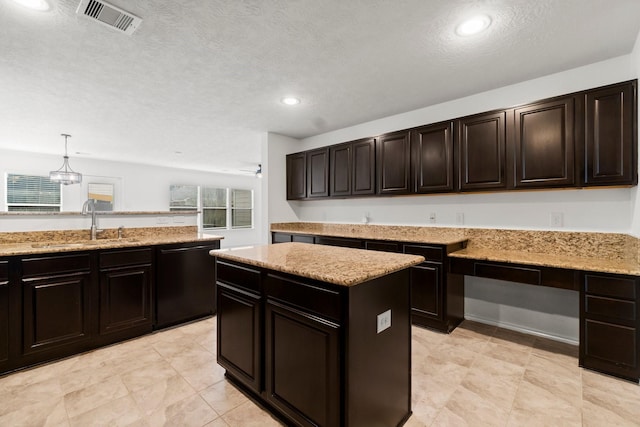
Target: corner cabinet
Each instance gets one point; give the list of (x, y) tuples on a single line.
[(611, 134), (296, 176), (610, 324)]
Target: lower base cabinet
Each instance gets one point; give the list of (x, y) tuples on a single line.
[(4, 314), (309, 351), (610, 324), (125, 294), (56, 306)]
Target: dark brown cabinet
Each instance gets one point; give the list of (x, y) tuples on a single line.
[(4, 313), (296, 176), (312, 396), (611, 136), (306, 349), (432, 158), (125, 293), (393, 154), (437, 300), (185, 283), (352, 168), (240, 323), (544, 144), (481, 144), (57, 297), (340, 241), (318, 173), (609, 324)]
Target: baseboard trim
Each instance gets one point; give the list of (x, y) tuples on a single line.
[(519, 328)]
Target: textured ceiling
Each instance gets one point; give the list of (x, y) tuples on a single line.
[(205, 77)]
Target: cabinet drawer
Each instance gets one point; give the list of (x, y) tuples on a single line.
[(430, 253), (337, 241), (4, 271), (302, 238), (52, 265), (382, 246), (122, 258), (280, 238), (242, 277), (611, 343), (321, 301), (614, 308), (611, 286)]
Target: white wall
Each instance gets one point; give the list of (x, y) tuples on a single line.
[(607, 210), (137, 188)]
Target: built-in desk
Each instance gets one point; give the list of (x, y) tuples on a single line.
[(609, 298)]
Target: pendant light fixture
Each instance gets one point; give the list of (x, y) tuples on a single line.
[(65, 175)]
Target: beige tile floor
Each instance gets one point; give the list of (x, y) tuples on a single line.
[(479, 375)]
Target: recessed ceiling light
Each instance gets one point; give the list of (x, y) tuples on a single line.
[(290, 100), (474, 25), (42, 5)]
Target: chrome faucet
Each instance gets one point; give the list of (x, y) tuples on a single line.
[(90, 205)]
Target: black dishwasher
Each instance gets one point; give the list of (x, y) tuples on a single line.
[(185, 282)]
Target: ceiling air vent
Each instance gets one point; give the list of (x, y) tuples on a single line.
[(109, 15)]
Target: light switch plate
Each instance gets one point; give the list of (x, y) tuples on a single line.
[(384, 321)]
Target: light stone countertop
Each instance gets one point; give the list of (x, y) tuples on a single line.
[(340, 266), (601, 265), (45, 246)]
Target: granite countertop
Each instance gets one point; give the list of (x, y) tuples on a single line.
[(570, 262), (340, 266), (396, 233), (50, 246)]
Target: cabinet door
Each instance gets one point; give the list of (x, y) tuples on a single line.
[(363, 153), (481, 147), (239, 333), (296, 176), (611, 136), (426, 290), (56, 312), (340, 166), (318, 173), (302, 365), (393, 160), (432, 158), (544, 144), (125, 298), (185, 284), (4, 313)]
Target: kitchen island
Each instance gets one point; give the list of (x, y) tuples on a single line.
[(319, 335)]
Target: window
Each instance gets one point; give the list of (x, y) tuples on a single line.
[(30, 193), (241, 208), (222, 208), (214, 207), (183, 197)]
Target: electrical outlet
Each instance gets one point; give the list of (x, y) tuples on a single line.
[(178, 219), (432, 217), (383, 321), (163, 220), (459, 218), (556, 219)]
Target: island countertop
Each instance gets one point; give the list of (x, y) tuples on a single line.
[(340, 266)]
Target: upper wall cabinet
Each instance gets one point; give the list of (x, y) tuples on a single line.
[(611, 134), (352, 168), (544, 144), (482, 156), (296, 176), (588, 138), (318, 172), (432, 158), (393, 163)]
